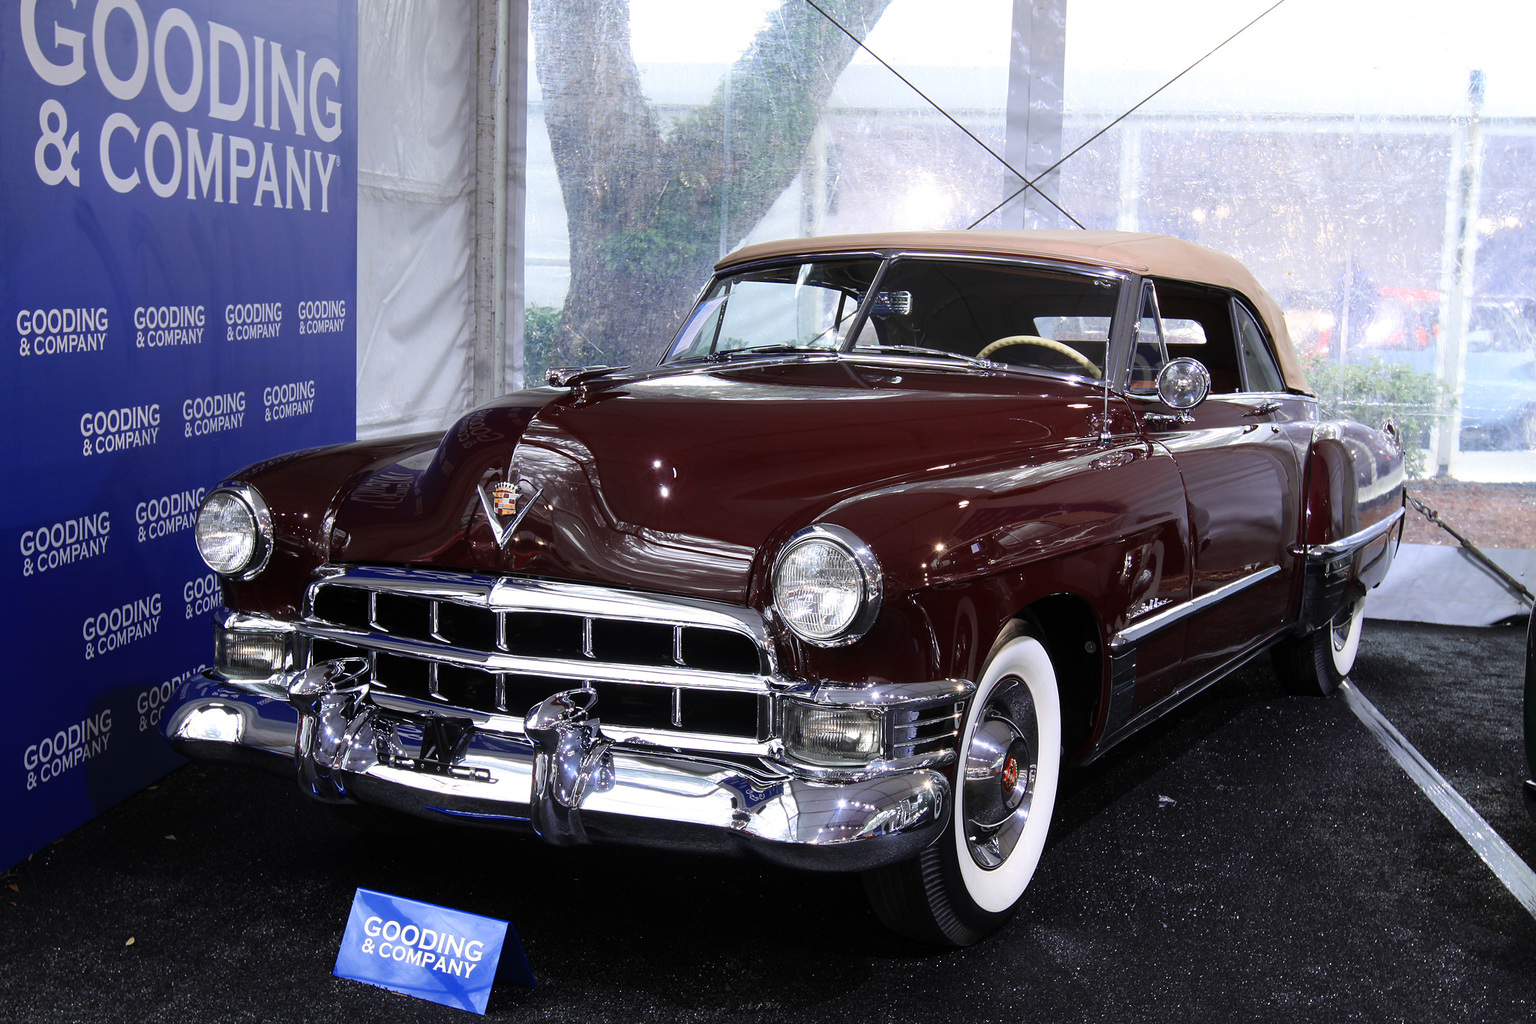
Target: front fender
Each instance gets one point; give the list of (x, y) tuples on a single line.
[(964, 553), (303, 490)]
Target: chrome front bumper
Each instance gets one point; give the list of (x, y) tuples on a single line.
[(561, 779)]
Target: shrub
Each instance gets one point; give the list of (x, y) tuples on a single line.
[(540, 326), (1378, 390)]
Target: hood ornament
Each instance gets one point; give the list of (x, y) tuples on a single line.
[(577, 376), (505, 507)]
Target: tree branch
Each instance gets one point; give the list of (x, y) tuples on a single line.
[(644, 212)]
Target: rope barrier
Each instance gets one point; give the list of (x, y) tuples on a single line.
[(1515, 586)]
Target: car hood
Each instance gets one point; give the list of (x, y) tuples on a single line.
[(681, 482)]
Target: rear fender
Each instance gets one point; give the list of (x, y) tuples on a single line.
[(1354, 516)]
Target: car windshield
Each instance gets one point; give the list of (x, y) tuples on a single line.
[(798, 306), (1019, 314)]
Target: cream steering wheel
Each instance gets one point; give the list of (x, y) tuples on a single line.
[(1054, 346)]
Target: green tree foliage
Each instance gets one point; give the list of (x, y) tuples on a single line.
[(540, 324), (1376, 391), (647, 202)]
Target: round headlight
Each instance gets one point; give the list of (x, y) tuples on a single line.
[(234, 531), (826, 585)]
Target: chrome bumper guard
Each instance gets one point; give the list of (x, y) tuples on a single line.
[(561, 779), (1338, 573)]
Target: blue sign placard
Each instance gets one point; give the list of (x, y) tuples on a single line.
[(431, 952), (178, 254)]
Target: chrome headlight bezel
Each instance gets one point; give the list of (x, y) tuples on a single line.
[(261, 534), (846, 546)]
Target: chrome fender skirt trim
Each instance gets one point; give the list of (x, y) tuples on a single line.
[(1354, 541)]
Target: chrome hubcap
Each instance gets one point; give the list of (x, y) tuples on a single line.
[(1340, 632), (1340, 629), (1001, 764)]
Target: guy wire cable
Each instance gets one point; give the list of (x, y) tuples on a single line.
[(908, 83), (1030, 183)]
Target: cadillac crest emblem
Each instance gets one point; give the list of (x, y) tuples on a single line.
[(505, 506), (504, 499)]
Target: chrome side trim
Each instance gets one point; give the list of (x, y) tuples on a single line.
[(1155, 712), (1355, 540), (1168, 616), (887, 694)]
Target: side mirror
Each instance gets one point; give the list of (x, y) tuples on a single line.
[(1183, 383)]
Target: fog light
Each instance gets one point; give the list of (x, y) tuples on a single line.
[(245, 654), (835, 737), (215, 723)]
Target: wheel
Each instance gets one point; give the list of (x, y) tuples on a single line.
[(1315, 664), (968, 883), (1054, 346)]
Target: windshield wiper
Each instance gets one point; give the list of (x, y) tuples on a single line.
[(918, 350), (765, 350)]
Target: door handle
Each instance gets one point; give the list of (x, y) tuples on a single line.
[(1166, 420)]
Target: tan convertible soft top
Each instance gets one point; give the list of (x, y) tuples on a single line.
[(1152, 255)]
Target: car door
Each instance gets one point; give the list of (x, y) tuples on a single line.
[(1238, 454)]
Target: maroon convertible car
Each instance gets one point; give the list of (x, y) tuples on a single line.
[(899, 524)]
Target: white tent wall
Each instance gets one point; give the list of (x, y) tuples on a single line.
[(1321, 145), (416, 213)]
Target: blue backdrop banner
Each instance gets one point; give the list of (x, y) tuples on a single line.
[(178, 224)]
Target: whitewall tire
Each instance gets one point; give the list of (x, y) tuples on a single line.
[(1315, 664), (971, 880)]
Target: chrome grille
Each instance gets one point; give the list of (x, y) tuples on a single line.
[(926, 730), (662, 668)]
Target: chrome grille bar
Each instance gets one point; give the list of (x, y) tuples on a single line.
[(675, 671)]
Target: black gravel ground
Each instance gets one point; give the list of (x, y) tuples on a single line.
[(1258, 857)]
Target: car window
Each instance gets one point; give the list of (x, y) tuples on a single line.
[(1198, 322), (1074, 328), (796, 306), (1181, 334), (1259, 368), (1019, 314), (1148, 353)]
